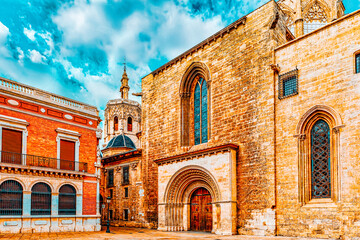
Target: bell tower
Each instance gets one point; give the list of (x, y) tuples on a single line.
[(305, 16)]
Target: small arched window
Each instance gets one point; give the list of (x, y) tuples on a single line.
[(11, 198), (200, 111), (41, 199), (129, 124), (320, 160), (67, 200), (116, 124)]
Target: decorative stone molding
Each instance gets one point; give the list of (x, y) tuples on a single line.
[(197, 154)]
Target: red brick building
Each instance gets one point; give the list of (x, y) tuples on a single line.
[(49, 167)]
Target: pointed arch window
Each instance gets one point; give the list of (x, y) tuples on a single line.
[(129, 124), (320, 160), (315, 18), (116, 124), (318, 134), (200, 111)]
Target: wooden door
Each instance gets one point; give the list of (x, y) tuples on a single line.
[(201, 211)]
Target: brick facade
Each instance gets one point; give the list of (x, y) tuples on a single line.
[(44, 119)]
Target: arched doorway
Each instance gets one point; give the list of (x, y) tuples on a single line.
[(201, 210)]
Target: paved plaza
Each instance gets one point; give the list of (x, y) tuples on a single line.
[(133, 233)]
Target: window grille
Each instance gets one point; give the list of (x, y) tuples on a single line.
[(41, 199), (11, 198), (125, 175), (110, 179), (288, 84), (320, 160), (126, 214), (129, 124), (67, 200), (200, 112), (357, 63), (126, 192)]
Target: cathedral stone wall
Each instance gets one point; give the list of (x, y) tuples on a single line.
[(326, 76), (241, 112)]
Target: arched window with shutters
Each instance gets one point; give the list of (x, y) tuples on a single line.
[(41, 199), (116, 124), (11, 198), (67, 200), (129, 124)]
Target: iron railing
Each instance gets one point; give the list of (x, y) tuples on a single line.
[(39, 161)]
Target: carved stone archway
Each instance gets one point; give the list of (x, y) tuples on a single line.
[(178, 192)]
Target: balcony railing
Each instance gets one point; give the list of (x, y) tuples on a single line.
[(39, 161)]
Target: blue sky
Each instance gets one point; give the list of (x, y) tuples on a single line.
[(75, 48)]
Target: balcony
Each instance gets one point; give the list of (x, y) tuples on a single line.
[(39, 161)]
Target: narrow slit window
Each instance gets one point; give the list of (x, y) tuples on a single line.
[(200, 112), (125, 175), (130, 124), (357, 63), (320, 160), (110, 180)]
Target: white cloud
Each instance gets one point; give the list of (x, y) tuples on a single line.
[(49, 41), (36, 57), (20, 56), (30, 33), (4, 33)]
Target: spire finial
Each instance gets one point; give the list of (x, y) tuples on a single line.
[(124, 63), (124, 89)]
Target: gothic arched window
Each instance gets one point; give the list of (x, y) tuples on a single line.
[(320, 160), (195, 105), (129, 124), (41, 199), (200, 111), (11, 198), (116, 124), (315, 18), (318, 134)]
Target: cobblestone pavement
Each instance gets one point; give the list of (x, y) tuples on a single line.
[(132, 233)]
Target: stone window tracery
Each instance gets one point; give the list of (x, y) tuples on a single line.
[(315, 18)]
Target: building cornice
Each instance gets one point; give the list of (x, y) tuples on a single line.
[(27, 92), (196, 154), (121, 156)]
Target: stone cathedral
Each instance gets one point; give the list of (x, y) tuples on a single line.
[(253, 131)]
